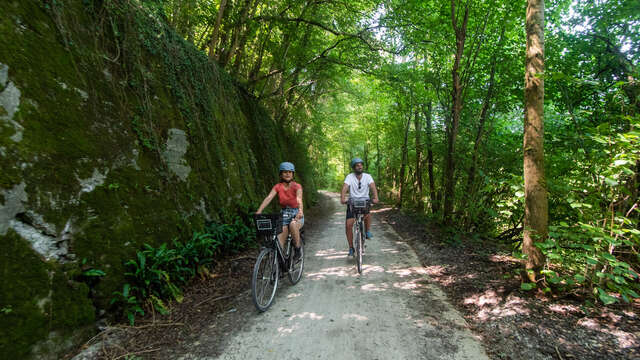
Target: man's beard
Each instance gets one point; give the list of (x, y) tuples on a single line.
[(357, 172)]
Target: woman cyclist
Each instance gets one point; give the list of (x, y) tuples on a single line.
[(290, 196)]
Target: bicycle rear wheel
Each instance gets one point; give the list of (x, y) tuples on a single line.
[(296, 267), (359, 244), (264, 282)]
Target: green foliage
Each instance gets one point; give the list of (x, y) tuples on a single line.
[(157, 274), (597, 250), (101, 83), (131, 306), (94, 273), (592, 113)]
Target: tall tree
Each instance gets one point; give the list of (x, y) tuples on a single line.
[(535, 188), (418, 127), (405, 158), (433, 194), (484, 113), (460, 30)]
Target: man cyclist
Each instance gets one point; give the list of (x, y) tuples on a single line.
[(358, 183), (290, 197)]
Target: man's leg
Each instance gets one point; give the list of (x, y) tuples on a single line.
[(367, 222), (349, 231)]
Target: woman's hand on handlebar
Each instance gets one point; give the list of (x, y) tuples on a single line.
[(375, 200)]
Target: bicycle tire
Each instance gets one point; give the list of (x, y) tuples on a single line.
[(295, 272), (359, 249), (260, 285)]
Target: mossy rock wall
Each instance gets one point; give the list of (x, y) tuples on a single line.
[(114, 132)]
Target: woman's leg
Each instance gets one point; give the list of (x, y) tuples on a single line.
[(283, 237), (294, 227)]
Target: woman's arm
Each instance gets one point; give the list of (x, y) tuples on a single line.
[(266, 201), (300, 206)]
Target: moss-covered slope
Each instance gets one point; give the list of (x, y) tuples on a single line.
[(113, 132)]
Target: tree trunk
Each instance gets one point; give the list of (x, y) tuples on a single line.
[(535, 187), (435, 201), (378, 181), (236, 31), (243, 40), (365, 154), (456, 109), (257, 65), (483, 118), (213, 43), (405, 153), (418, 128)]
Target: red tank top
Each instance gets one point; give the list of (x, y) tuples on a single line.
[(287, 197)]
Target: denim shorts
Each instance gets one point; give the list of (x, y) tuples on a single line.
[(288, 214)]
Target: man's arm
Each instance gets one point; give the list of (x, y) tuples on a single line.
[(343, 193), (372, 187)]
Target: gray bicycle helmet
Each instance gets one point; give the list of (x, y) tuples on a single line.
[(356, 160), (287, 166)]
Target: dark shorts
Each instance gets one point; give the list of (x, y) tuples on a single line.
[(350, 215)]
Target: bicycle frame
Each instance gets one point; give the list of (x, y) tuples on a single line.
[(358, 230)]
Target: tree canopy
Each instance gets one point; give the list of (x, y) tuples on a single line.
[(431, 94)]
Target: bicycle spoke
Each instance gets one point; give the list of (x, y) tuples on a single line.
[(264, 282)]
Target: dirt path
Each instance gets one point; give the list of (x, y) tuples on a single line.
[(390, 312)]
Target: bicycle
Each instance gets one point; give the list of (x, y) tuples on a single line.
[(359, 208), (273, 260)]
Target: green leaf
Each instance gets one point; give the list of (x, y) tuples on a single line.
[(605, 297), (527, 286), (610, 182), (94, 272), (633, 293), (608, 256)]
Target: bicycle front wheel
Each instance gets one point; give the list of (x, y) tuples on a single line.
[(296, 266), (359, 249), (264, 282)]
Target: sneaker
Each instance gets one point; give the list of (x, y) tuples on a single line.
[(297, 254), (352, 252), (369, 235)]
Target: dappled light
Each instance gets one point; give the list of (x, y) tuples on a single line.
[(389, 250), (375, 287), (380, 210), (488, 298), (355, 317), (511, 307), (338, 271), (413, 285), (306, 315), (624, 339)]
